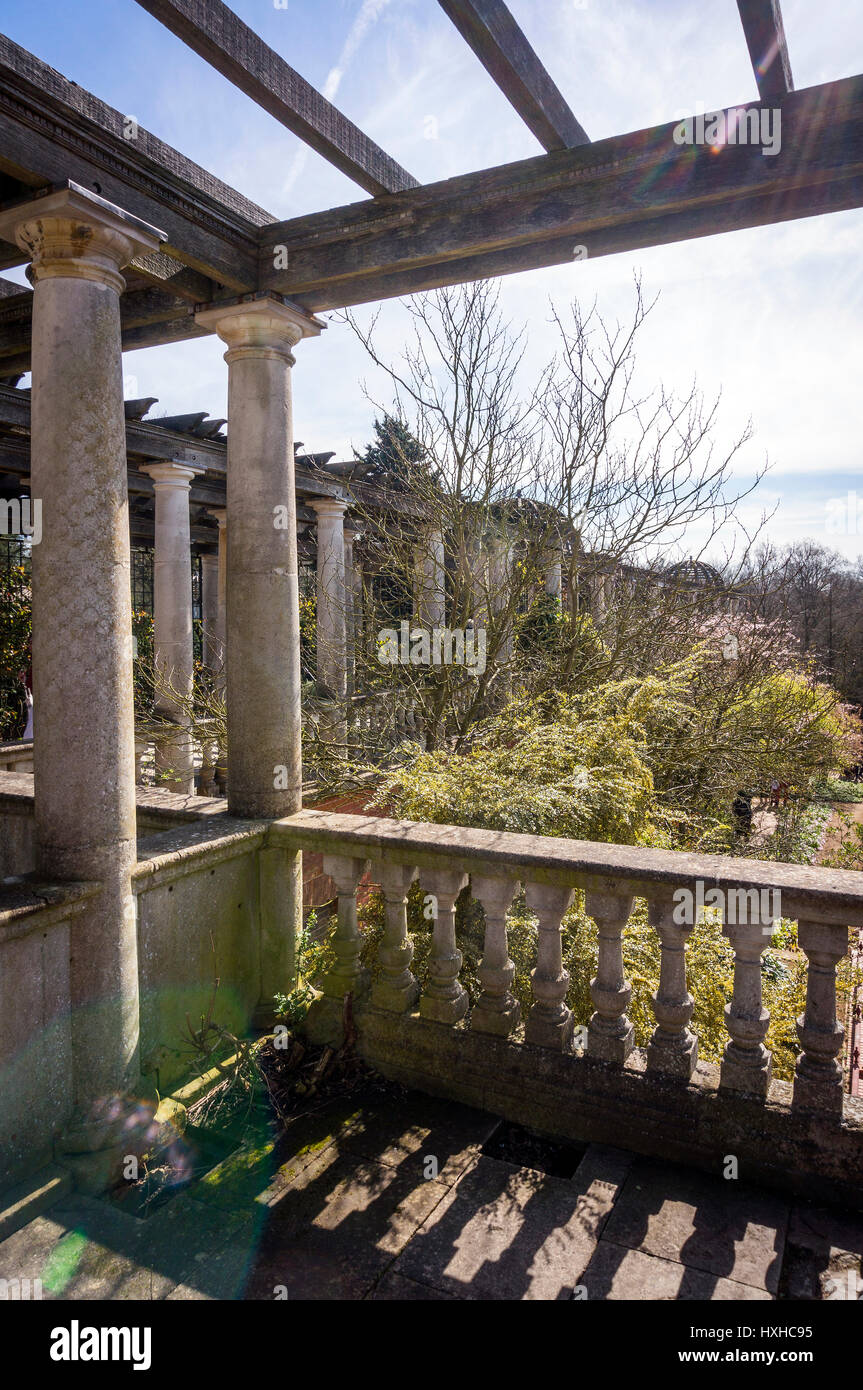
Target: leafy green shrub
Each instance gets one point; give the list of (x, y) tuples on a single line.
[(15, 630), (836, 789)]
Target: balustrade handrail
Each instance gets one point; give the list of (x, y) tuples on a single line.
[(825, 902), (579, 863)]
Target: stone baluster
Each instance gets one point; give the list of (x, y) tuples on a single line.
[(443, 999), (610, 1033), (346, 977), (142, 748), (396, 989), (818, 1077), (207, 776), (549, 1023), (496, 1011), (746, 1064), (673, 1049)]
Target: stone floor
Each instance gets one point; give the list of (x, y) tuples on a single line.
[(393, 1198)]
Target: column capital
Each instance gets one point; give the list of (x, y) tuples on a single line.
[(172, 473), (327, 506), (74, 233), (219, 514), (259, 327)]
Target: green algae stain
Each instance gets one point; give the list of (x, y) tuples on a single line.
[(63, 1261)]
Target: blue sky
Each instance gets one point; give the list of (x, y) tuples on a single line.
[(773, 317)]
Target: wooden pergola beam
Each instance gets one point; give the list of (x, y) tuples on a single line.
[(236, 51), (496, 39), (614, 195), (147, 316), (768, 51), (52, 130)]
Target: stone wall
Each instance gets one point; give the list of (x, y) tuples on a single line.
[(35, 1046), (17, 825), (198, 893)]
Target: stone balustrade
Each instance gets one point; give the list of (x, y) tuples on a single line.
[(446, 859), (382, 719), (16, 755), (152, 759)]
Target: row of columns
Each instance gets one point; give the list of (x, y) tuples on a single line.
[(84, 756), (338, 602)]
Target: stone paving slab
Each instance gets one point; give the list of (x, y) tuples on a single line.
[(336, 1229), (713, 1224), (346, 1207), (506, 1233), (25, 1254), (406, 1133), (616, 1272), (260, 1168), (823, 1255), (396, 1288)]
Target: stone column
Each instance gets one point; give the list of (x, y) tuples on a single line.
[(499, 575), (351, 608), (172, 621), (263, 616), (82, 625), (600, 598), (210, 608), (332, 598), (431, 607), (220, 625), (553, 575)]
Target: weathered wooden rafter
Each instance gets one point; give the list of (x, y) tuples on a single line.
[(236, 51), (147, 440), (52, 130), (491, 31), (614, 195), (768, 50), (620, 194), (147, 308)]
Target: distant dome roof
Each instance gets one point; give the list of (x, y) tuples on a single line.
[(695, 572)]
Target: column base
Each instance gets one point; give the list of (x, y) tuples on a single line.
[(397, 999), (96, 1152), (449, 1010), (264, 1018), (750, 1076), (673, 1056), (823, 1097), (499, 1022), (555, 1034), (324, 1023), (338, 986), (609, 1046)]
